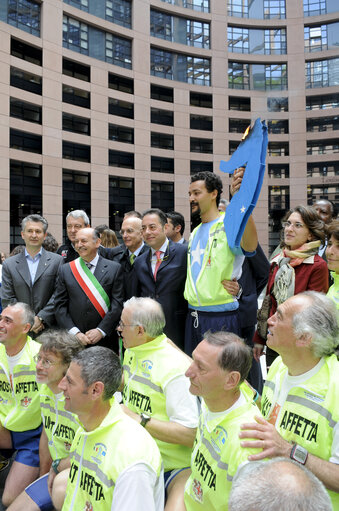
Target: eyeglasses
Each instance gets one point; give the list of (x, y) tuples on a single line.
[(122, 325), (127, 231), (296, 226), (45, 362)]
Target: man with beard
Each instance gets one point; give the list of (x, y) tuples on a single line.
[(212, 266)]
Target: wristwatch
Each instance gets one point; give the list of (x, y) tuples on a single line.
[(55, 465), (144, 419), (299, 454)]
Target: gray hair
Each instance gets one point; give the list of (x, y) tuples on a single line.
[(235, 355), (100, 364), (79, 213), (320, 320), (27, 314), (61, 342), (35, 218), (147, 313), (279, 484)]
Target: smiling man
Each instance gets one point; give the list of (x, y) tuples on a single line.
[(19, 398), (115, 463), (57, 349), (161, 273), (212, 265), (89, 294), (220, 364), (300, 397), (30, 276)]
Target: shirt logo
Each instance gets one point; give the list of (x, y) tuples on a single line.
[(218, 438), (100, 451), (146, 368), (64, 253), (67, 446), (26, 401), (198, 491), (3, 401), (88, 506)]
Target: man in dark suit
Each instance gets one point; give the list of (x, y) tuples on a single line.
[(75, 220), (89, 294), (30, 277), (176, 227), (161, 273), (126, 254)]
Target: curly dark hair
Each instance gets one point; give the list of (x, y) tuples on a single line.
[(311, 220), (212, 182)]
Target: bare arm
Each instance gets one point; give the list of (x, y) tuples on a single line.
[(44, 454), (167, 431), (268, 438)]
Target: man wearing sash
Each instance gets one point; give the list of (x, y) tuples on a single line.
[(89, 294)]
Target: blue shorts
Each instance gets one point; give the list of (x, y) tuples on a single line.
[(170, 475), (38, 492), (27, 445)]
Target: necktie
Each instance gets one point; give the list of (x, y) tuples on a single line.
[(158, 263), (89, 265), (132, 258)]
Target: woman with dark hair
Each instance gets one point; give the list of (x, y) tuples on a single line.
[(297, 268), (332, 256)]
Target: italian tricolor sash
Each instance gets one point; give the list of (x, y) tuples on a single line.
[(90, 286)]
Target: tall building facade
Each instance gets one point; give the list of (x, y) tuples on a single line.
[(110, 105)]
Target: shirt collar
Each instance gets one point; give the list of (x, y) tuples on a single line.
[(162, 249), (137, 251), (36, 255), (94, 261)]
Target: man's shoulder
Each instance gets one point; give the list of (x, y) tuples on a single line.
[(52, 256), (10, 262), (113, 265)]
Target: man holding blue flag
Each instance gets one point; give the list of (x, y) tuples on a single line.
[(89, 294), (213, 266)]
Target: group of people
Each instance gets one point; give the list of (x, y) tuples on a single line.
[(124, 371)]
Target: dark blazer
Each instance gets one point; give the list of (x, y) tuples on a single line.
[(74, 309), (255, 271), (17, 285), (168, 289), (120, 255)]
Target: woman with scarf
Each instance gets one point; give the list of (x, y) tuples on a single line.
[(297, 268), (332, 256)]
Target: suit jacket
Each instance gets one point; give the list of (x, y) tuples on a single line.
[(120, 255), (17, 285), (168, 289), (255, 271), (74, 309)]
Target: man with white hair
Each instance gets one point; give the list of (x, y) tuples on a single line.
[(300, 397), (75, 220), (279, 484)]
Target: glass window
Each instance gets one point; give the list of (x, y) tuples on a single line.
[(121, 159), (276, 76), (238, 125), (26, 111), (162, 195), (25, 141), (201, 122), (121, 199), (314, 7), (326, 191), (201, 145), (274, 9), (201, 99), (238, 103), (315, 38), (256, 41), (277, 126), (23, 14), (26, 81), (161, 93), (162, 140), (164, 165), (161, 25), (121, 133), (120, 108), (321, 169), (76, 124), (115, 11), (26, 52), (73, 151), (159, 116), (277, 104), (323, 124), (75, 35), (25, 196), (237, 39), (322, 102), (76, 70), (118, 51), (259, 9), (278, 170), (121, 83), (200, 166), (238, 75), (76, 96), (196, 5), (328, 146), (278, 149), (183, 68), (76, 192), (322, 73), (79, 4)]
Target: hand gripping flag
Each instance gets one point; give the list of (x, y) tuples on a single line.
[(252, 153)]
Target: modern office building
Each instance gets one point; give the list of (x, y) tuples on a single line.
[(110, 105)]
